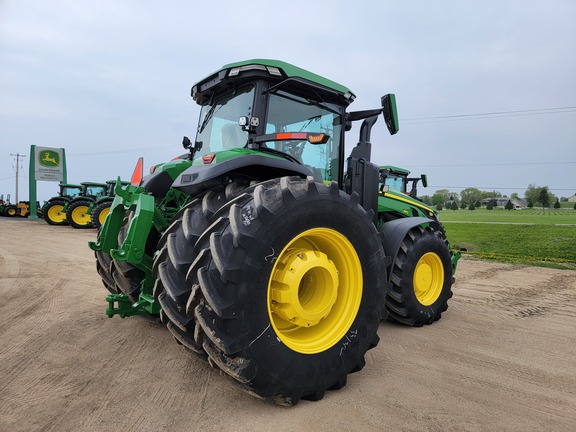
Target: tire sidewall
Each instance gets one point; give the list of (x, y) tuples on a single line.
[(428, 243), (272, 232)]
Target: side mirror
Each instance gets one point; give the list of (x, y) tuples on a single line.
[(186, 142), (424, 180), (390, 113)]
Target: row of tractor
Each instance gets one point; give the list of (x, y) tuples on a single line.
[(264, 249), (83, 205)]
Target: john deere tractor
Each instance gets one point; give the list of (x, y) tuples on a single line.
[(54, 209), (264, 249), (79, 207)]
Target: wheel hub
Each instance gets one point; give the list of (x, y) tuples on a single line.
[(428, 278), (304, 288), (80, 215)]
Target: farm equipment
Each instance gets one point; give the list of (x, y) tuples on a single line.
[(262, 251), (101, 207), (54, 209), (22, 208), (79, 207), (397, 180)]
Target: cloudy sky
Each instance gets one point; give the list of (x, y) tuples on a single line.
[(486, 90)]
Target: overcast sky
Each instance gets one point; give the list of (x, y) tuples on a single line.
[(486, 90)]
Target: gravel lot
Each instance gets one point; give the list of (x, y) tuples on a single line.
[(503, 357)]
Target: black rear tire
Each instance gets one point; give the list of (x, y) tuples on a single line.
[(421, 278), (54, 214), (99, 212), (230, 291)]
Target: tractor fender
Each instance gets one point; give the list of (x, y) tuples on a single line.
[(395, 231), (199, 178)]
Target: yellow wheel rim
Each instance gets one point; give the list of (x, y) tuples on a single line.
[(55, 214), (80, 215), (103, 214), (11, 212), (428, 278), (315, 290)]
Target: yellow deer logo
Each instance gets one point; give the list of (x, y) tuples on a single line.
[(49, 159)]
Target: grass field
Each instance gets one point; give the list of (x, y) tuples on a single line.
[(534, 237)]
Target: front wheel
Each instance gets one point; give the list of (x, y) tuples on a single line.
[(284, 295), (421, 278)]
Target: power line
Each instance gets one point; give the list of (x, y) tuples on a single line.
[(494, 188), (489, 115), (489, 164)]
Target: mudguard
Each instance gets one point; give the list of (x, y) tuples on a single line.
[(199, 178), (395, 231)]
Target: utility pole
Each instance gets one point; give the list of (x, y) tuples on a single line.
[(18, 156)]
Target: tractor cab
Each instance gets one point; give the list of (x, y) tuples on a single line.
[(94, 190), (69, 190)]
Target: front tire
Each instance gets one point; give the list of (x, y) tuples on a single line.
[(421, 278), (284, 294)]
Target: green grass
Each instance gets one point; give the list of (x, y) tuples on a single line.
[(533, 237)]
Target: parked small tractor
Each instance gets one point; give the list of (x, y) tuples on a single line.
[(264, 249)]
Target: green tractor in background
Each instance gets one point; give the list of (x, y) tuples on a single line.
[(264, 249), (54, 210), (79, 207)]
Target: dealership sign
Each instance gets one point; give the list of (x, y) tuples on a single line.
[(49, 164)]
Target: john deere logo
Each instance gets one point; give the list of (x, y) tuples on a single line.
[(49, 159)]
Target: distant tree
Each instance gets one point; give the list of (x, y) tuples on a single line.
[(439, 206), (514, 196), (531, 194), (563, 199), (489, 205), (463, 205), (454, 206), (543, 197), (478, 204), (509, 205), (440, 196), (426, 199), (471, 207), (575, 206), (471, 195), (557, 204), (493, 194), (530, 204)]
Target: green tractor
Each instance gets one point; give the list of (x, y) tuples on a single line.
[(101, 207), (264, 249), (397, 180), (54, 210), (79, 207)]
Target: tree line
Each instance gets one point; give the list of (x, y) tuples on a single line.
[(534, 196)]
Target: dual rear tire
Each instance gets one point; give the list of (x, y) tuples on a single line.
[(283, 289)]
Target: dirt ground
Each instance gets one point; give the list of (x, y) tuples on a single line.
[(503, 357)]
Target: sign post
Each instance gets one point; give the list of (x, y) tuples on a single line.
[(46, 164)]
